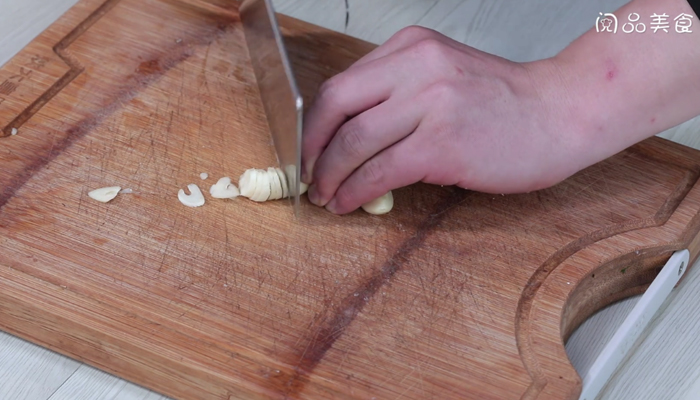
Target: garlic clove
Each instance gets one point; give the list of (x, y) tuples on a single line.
[(105, 194), (224, 189), (262, 187), (381, 205), (283, 181), (195, 199), (275, 184), (291, 172), (256, 180)]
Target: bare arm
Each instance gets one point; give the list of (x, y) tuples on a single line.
[(628, 87), (423, 107)]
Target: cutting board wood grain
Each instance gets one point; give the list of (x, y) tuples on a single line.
[(453, 295)]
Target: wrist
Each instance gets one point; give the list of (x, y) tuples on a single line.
[(568, 114), (623, 88)]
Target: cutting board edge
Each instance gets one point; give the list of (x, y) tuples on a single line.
[(684, 230)]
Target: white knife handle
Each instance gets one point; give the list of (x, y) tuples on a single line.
[(615, 351)]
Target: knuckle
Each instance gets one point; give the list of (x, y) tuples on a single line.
[(430, 49), (330, 89), (414, 33), (351, 138), (320, 178), (344, 198), (373, 173), (442, 91)]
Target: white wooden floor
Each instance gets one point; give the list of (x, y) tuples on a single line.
[(666, 364)]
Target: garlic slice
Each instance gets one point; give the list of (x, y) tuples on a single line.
[(247, 181), (283, 181), (381, 205), (275, 184), (271, 184), (223, 189), (195, 199), (262, 187), (105, 194), (255, 180), (204, 176)]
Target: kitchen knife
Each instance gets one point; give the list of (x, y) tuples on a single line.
[(278, 89)]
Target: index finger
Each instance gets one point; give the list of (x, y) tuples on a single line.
[(340, 98)]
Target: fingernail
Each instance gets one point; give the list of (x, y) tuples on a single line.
[(331, 206), (313, 195)]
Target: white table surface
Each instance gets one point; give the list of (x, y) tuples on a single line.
[(666, 361)]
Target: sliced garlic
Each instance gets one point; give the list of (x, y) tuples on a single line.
[(262, 187), (126, 191), (271, 184), (223, 189), (105, 194), (255, 181), (275, 184), (195, 199), (246, 183), (283, 181), (204, 176), (13, 132), (381, 205)]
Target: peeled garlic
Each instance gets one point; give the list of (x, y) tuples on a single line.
[(195, 199), (105, 194), (283, 182), (381, 205), (275, 184), (247, 182), (204, 176), (223, 189), (262, 187)]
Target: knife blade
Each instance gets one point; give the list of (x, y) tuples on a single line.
[(278, 88)]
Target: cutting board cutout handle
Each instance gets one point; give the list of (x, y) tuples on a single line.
[(631, 329), (33, 77)]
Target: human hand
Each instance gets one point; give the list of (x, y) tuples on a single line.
[(423, 107)]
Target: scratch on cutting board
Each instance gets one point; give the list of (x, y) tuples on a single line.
[(328, 331), (129, 91)]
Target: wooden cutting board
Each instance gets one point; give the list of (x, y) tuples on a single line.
[(453, 295)]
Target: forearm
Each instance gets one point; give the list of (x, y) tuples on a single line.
[(625, 87)]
